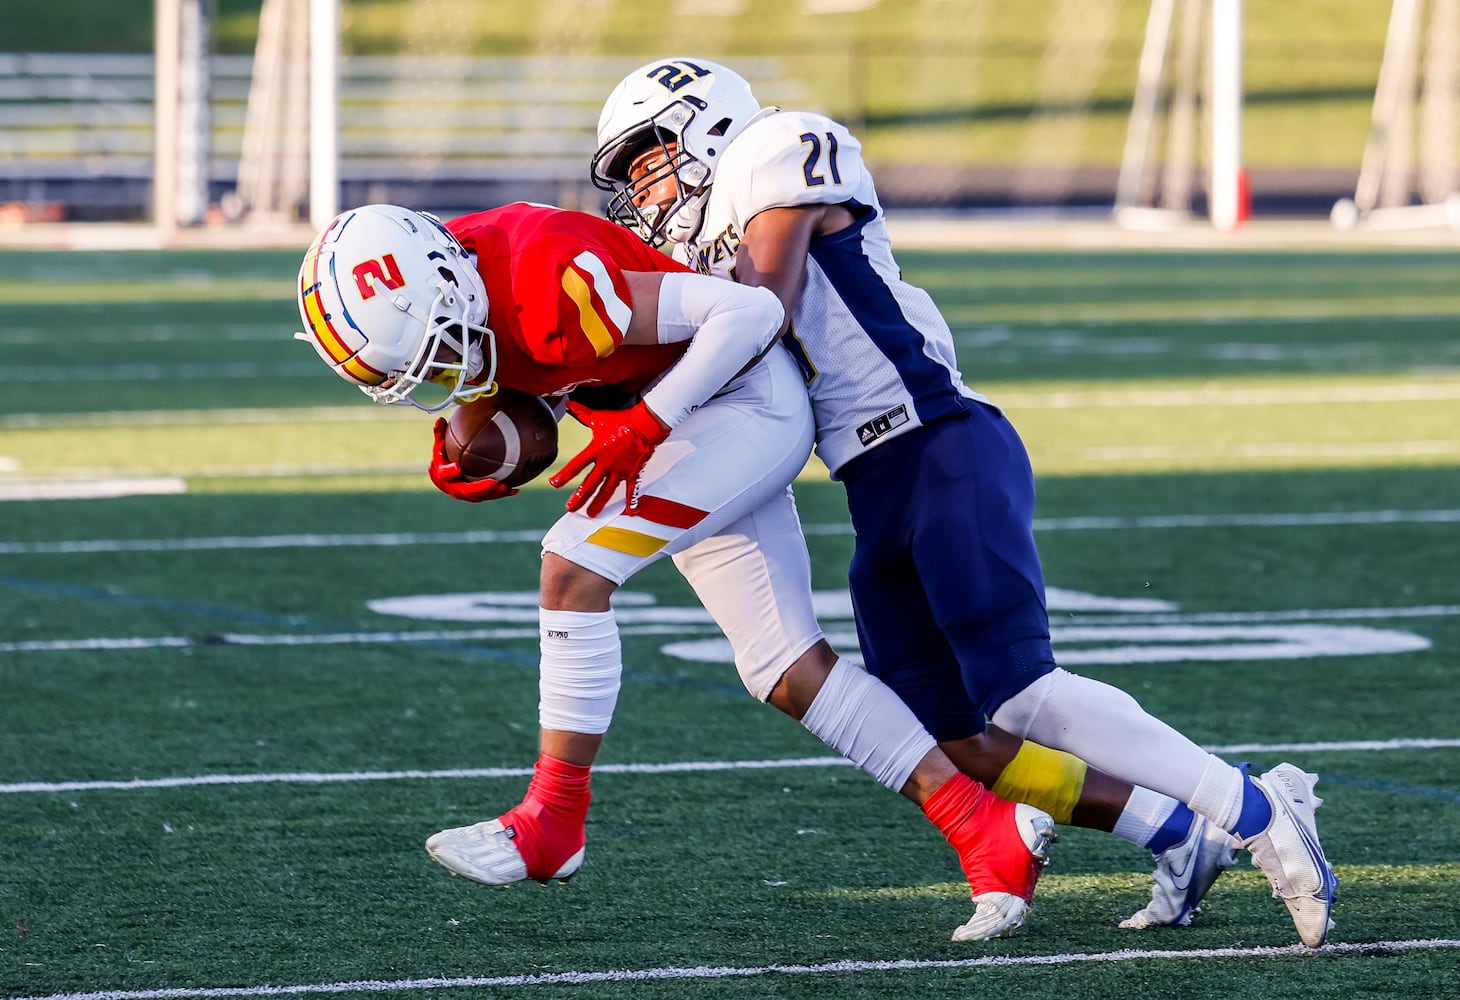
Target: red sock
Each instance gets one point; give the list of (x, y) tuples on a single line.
[(980, 827), (547, 826)]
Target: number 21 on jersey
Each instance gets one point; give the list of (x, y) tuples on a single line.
[(812, 168)]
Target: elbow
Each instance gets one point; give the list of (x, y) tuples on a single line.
[(770, 317)]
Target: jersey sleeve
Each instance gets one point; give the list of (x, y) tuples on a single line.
[(796, 159), (579, 306)]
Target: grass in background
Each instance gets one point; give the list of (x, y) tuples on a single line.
[(254, 650), (1109, 362)]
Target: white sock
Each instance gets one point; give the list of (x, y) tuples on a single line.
[(1218, 795), (858, 715), (582, 663), (1143, 816)]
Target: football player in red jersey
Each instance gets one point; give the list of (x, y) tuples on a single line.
[(697, 467)]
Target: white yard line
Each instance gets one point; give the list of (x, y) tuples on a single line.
[(672, 767), (1013, 398), (209, 418), (702, 972), (1105, 624), (88, 488), (415, 538), (181, 372), (1219, 395), (1271, 449)]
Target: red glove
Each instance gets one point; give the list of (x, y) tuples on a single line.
[(623, 440), (449, 480)]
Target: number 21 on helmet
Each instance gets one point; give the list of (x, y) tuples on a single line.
[(693, 105)]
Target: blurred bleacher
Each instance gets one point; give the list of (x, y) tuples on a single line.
[(452, 133)]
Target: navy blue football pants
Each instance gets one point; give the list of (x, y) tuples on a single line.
[(945, 579)]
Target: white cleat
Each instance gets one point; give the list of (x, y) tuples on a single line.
[(1290, 856), (484, 852), (1184, 873), (995, 915)]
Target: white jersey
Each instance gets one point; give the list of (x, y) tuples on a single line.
[(876, 353)]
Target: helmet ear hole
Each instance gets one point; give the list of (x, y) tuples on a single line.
[(405, 283)]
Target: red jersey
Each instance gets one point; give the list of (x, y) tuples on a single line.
[(557, 299)]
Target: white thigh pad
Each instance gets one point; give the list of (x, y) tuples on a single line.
[(754, 578)]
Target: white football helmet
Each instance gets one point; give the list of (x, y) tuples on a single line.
[(699, 106), (391, 301)]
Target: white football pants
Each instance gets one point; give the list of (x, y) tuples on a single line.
[(716, 497)]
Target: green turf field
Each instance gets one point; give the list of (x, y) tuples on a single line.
[(225, 731)]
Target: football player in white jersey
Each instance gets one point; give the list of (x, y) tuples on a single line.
[(946, 580)]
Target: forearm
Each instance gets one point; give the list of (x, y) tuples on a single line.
[(728, 326)]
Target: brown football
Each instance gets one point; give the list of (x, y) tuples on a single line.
[(509, 436)]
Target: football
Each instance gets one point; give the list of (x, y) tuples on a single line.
[(509, 436)]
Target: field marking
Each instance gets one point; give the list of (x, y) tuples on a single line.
[(75, 488), (181, 372), (1271, 449), (534, 535), (673, 767), (158, 333), (702, 972), (101, 643), (242, 470), (1217, 395), (206, 418)]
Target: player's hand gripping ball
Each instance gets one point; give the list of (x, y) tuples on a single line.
[(510, 437)]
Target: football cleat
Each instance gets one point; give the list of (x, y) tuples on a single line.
[(1289, 854), (1184, 873), (485, 852), (1003, 869), (995, 915)]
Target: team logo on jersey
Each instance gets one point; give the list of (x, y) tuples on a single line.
[(719, 250), (881, 424)]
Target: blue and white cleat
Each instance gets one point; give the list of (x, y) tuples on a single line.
[(1184, 873), (1289, 854)]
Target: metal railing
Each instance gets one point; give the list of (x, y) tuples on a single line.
[(79, 128)]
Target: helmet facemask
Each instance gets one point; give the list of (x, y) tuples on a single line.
[(676, 220), (690, 110), (456, 359)]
